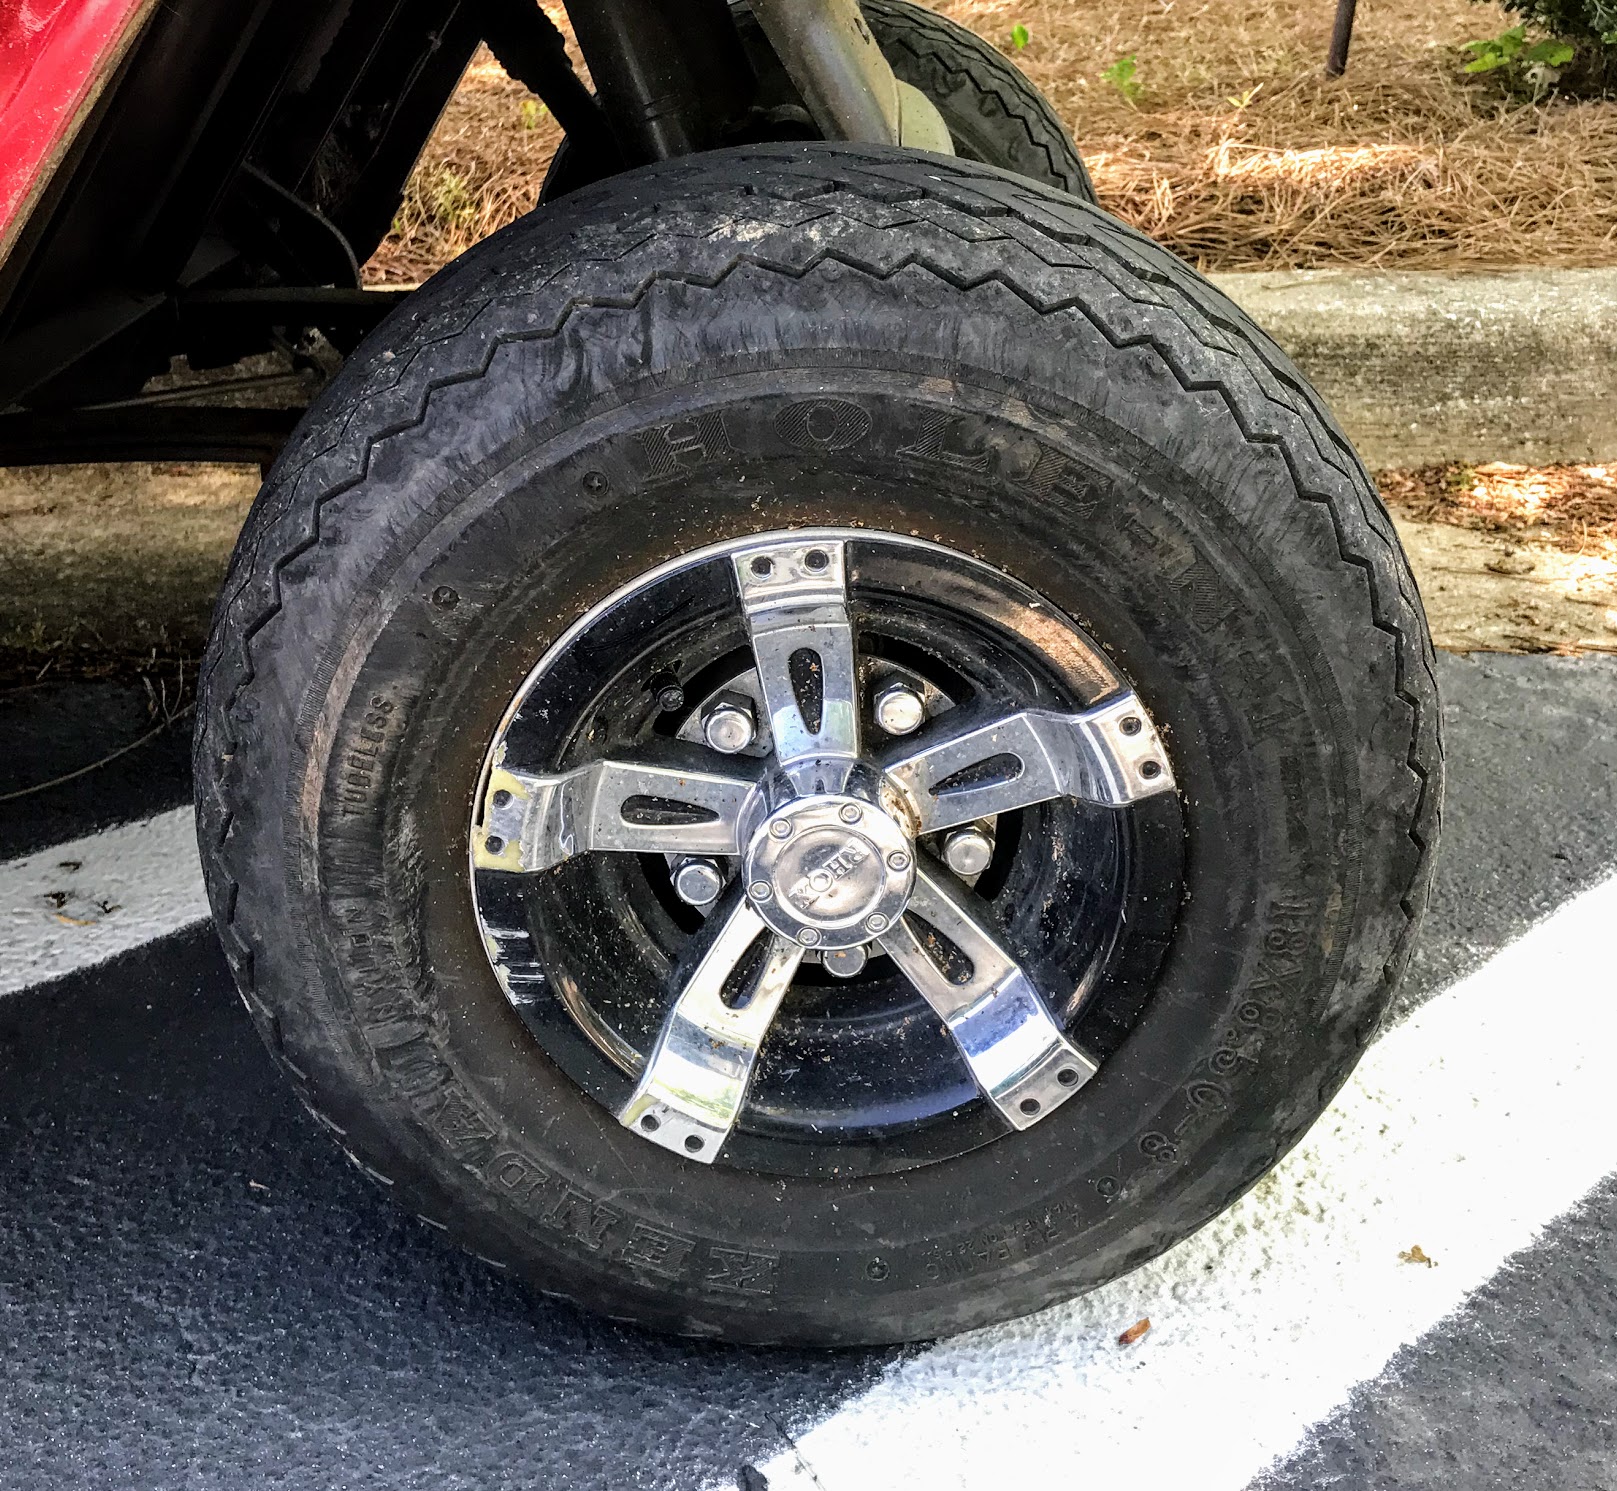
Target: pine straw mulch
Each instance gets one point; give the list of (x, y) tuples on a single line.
[(1237, 153), (481, 169), (1571, 508)]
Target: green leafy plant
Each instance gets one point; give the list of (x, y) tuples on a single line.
[(1019, 36), (1512, 49), (1530, 67), (1576, 40), (1575, 20), (1122, 75), (532, 112)]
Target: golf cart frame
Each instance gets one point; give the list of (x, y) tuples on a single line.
[(200, 181)]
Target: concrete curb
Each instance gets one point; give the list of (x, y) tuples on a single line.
[(1423, 367), (1420, 367)]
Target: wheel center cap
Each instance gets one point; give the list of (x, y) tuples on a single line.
[(829, 871)]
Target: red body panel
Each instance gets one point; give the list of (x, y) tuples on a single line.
[(54, 56)]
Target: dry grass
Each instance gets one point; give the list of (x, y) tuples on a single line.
[(481, 169), (1572, 508), (1238, 153)]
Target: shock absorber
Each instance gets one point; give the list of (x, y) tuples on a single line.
[(672, 74)]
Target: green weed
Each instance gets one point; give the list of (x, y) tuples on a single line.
[(1122, 75)]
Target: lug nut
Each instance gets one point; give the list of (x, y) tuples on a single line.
[(729, 726), (845, 962), (899, 709), (697, 882), (967, 851)]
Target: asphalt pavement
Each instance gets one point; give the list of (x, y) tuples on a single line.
[(197, 1290)]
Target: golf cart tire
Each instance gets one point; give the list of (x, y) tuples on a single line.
[(607, 385)]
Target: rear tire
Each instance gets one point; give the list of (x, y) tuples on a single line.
[(611, 384), (994, 112)]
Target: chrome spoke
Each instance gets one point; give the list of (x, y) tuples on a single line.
[(535, 822), (1110, 755), (1024, 1064), (794, 596), (690, 1094)]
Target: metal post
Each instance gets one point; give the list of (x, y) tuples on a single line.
[(1341, 38)]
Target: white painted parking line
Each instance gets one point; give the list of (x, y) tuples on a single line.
[(78, 904), (1465, 1132)]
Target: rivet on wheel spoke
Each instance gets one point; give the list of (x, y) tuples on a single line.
[(898, 861), (759, 890), (875, 924), (780, 829), (850, 813), (808, 936)]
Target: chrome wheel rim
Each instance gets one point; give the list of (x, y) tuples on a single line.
[(830, 808)]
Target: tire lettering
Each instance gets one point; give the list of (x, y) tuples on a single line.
[(741, 1271), (652, 1250), (684, 445), (1008, 1242), (949, 438), (459, 1124), (583, 1218), (823, 424), (1053, 475)]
